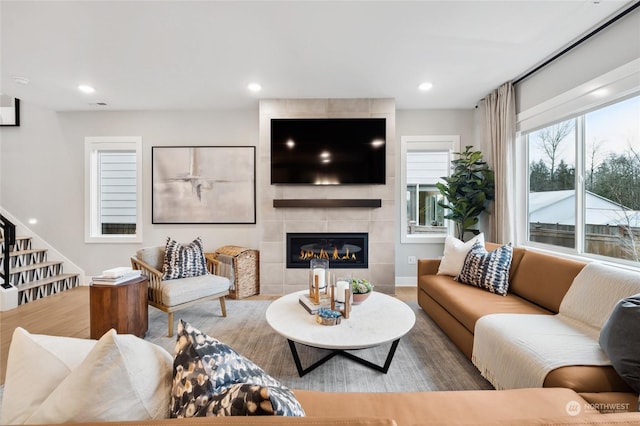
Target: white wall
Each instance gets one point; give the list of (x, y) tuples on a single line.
[(424, 123), (42, 174)]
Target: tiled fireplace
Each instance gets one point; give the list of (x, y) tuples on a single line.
[(341, 249), (316, 210)]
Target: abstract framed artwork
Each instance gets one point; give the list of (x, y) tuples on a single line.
[(9, 111), (203, 184)]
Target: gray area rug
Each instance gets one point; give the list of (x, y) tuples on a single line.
[(425, 360)]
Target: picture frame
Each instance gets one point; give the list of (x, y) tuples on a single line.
[(203, 184), (9, 111)]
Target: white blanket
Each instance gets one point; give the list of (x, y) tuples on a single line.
[(595, 292), (519, 350)]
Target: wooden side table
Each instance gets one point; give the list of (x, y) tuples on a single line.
[(122, 307)]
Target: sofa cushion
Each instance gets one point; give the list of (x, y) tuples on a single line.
[(122, 378), (487, 270), (514, 407), (468, 303), (183, 260), (587, 378), (544, 279), (620, 339), (455, 251), (30, 355), (182, 290), (211, 379)]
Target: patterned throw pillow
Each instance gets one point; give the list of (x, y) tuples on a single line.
[(211, 379), (487, 270), (183, 261)]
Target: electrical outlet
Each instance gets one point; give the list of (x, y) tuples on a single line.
[(411, 260)]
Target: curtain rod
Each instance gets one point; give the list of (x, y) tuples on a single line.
[(576, 43)]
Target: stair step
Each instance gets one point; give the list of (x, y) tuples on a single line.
[(45, 287), (22, 243), (36, 266), (16, 253), (19, 252), (44, 281)]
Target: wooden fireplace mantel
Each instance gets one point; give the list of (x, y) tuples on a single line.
[(328, 203)]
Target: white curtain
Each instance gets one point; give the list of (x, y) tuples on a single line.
[(497, 120)]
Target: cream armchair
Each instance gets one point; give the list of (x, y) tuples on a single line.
[(172, 295)]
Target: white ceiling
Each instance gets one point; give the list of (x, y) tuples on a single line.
[(150, 55)]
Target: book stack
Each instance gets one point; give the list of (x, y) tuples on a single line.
[(312, 307), (116, 276)]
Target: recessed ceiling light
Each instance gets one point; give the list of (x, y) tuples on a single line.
[(86, 89), (425, 86), (254, 87), (21, 80)]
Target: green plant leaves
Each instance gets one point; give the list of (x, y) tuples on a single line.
[(468, 190)]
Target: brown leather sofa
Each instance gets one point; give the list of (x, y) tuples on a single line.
[(538, 282), (510, 407)]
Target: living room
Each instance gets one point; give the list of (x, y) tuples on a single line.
[(180, 97)]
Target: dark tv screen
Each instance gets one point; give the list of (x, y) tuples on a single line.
[(328, 151)]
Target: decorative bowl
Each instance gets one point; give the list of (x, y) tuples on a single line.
[(328, 321), (358, 298)]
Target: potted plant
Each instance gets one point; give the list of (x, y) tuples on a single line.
[(467, 191), (361, 289)]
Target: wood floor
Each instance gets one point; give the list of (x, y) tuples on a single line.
[(67, 314)]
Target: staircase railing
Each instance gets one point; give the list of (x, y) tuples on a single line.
[(9, 232)]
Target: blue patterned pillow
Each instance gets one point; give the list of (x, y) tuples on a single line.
[(183, 261), (211, 379), (487, 270)]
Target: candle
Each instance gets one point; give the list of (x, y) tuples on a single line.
[(341, 286), (319, 272)]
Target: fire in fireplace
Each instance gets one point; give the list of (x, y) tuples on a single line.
[(343, 250)]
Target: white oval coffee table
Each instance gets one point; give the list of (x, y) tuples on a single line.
[(380, 319)]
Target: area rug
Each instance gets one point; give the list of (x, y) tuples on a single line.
[(425, 360)]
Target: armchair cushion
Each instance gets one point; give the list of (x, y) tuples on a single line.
[(152, 256), (182, 290), (183, 260)]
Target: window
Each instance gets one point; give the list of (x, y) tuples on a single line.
[(584, 182), (113, 208), (425, 160)]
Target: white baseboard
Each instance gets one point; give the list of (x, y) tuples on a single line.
[(406, 282)]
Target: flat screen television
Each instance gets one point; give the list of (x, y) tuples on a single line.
[(328, 151)]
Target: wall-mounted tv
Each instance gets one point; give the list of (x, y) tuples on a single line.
[(328, 151)]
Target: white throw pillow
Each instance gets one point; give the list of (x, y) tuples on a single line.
[(36, 365), (454, 253), (122, 378)]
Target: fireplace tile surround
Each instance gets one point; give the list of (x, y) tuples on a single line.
[(377, 222)]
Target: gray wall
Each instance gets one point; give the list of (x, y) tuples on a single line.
[(42, 173), (424, 123), (614, 46)]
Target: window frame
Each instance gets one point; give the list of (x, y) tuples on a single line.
[(449, 143), (607, 89), (94, 145)]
